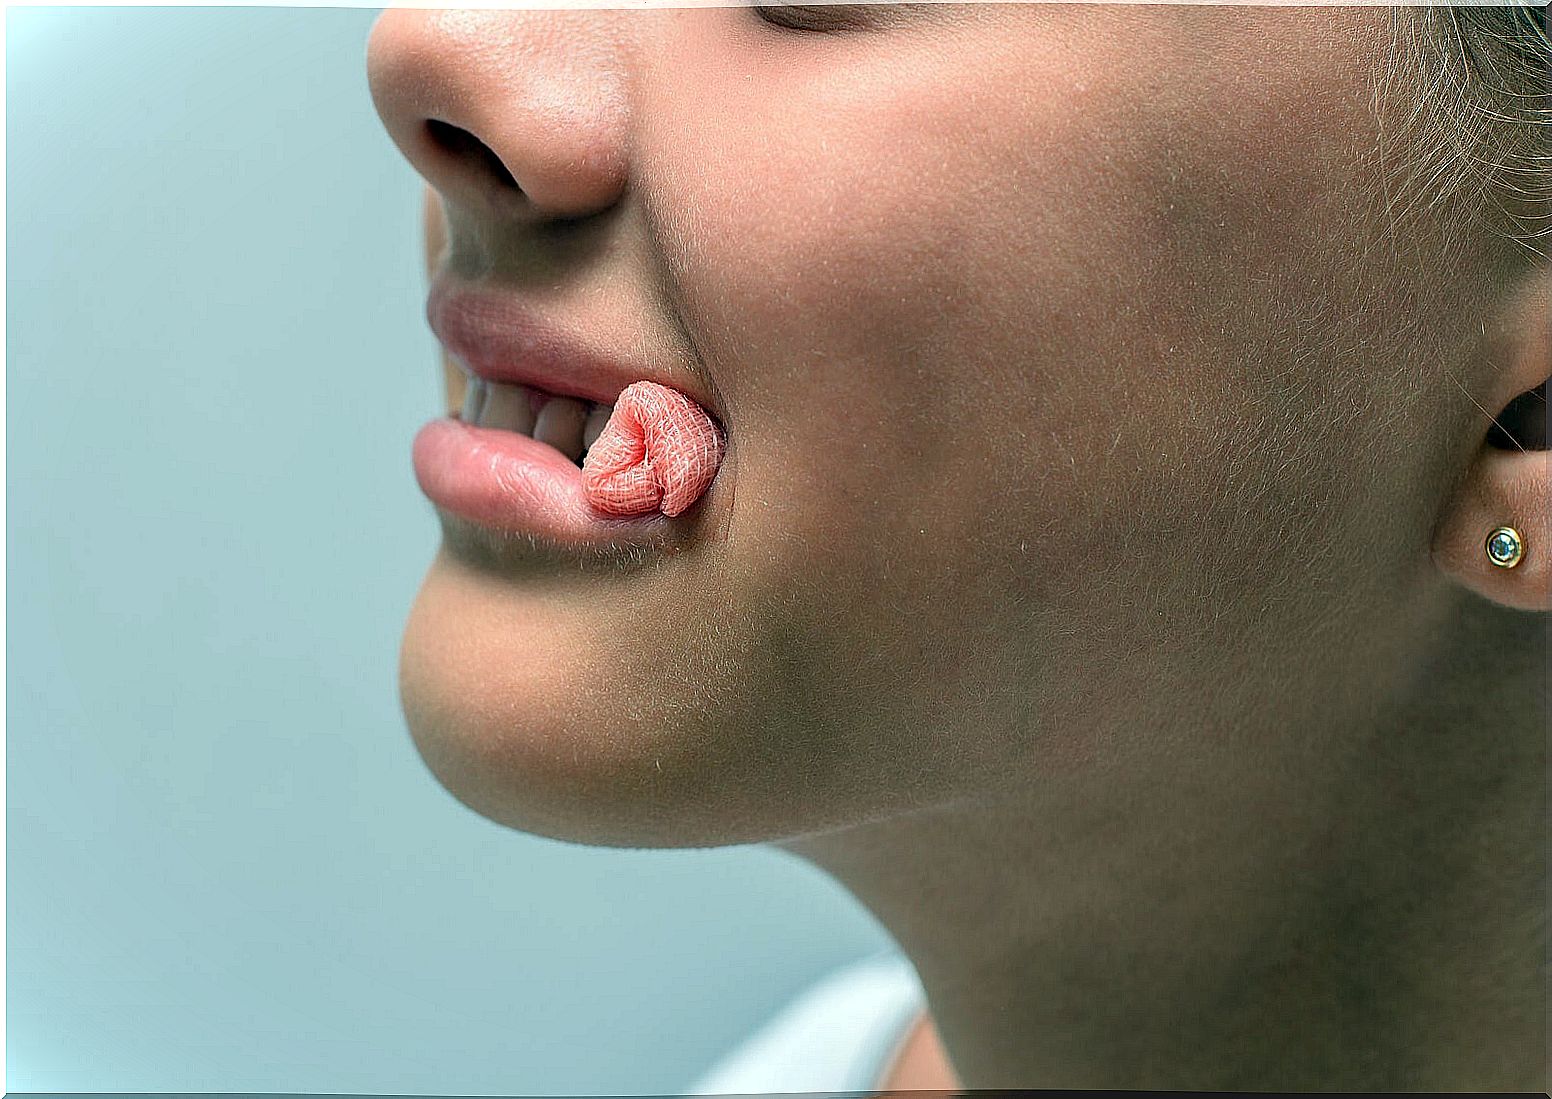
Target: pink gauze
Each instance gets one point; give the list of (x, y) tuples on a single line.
[(658, 452)]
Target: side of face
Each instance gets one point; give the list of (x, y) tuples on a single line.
[(1050, 340)]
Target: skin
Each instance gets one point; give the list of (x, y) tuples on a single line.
[(1094, 584)]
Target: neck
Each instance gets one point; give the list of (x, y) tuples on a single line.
[(1225, 928)]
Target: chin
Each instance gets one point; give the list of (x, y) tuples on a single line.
[(502, 724)]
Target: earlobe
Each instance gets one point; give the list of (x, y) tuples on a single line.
[(1504, 489), (1494, 536)]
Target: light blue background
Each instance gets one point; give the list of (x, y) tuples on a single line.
[(228, 869)]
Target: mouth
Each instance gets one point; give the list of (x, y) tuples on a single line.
[(497, 337), (568, 424), (571, 474), (519, 456), (511, 484)]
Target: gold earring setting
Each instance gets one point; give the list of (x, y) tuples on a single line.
[(1505, 547)]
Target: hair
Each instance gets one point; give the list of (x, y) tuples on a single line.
[(1475, 138)]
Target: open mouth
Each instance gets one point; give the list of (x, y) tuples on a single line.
[(568, 424), (512, 459)]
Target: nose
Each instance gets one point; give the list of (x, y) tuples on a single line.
[(519, 114)]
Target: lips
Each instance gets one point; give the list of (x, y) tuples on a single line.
[(495, 336), (507, 482), (503, 480)]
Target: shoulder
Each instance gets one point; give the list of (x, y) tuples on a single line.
[(840, 1033)]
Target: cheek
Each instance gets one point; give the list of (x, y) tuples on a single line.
[(1000, 378), (1003, 441), (927, 340)]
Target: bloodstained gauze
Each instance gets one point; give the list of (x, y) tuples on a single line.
[(658, 452)]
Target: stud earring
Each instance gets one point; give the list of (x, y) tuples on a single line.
[(1505, 547)]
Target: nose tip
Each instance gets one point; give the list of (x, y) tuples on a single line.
[(517, 113)]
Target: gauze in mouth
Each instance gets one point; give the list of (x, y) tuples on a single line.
[(658, 452)]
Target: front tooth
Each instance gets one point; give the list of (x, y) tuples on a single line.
[(507, 407), (596, 420), (474, 393), (560, 425)]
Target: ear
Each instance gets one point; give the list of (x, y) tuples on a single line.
[(1509, 480)]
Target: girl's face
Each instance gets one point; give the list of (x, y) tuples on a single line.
[(1050, 341)]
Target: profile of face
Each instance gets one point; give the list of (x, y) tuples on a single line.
[(1085, 415)]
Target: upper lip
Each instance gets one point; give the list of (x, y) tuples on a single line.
[(497, 337)]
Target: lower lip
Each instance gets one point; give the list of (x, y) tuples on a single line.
[(509, 482)]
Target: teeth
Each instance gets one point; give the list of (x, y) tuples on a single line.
[(560, 425), (596, 419), (507, 407), (568, 424), (473, 400)]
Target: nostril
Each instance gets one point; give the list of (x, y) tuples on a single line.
[(462, 145)]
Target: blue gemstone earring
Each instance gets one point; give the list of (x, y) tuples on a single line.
[(1505, 547)]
